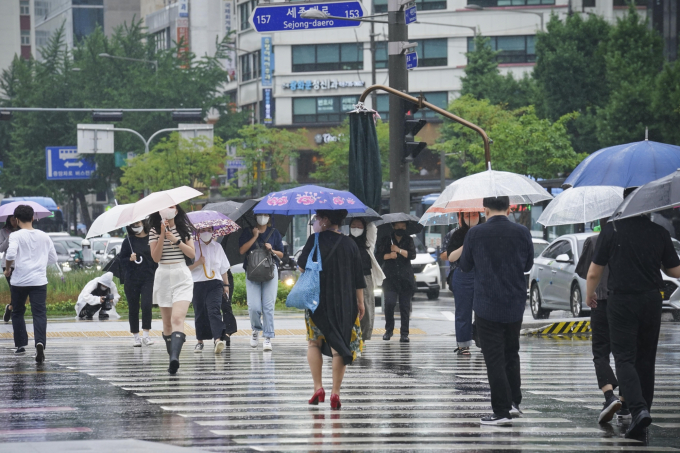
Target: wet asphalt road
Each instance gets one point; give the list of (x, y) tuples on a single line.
[(413, 397)]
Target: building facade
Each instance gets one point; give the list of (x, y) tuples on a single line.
[(16, 23)]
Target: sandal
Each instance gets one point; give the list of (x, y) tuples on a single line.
[(463, 351)]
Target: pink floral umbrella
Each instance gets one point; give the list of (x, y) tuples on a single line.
[(220, 223)]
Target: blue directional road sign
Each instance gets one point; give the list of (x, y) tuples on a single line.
[(411, 60), (286, 16), (63, 162), (410, 15)]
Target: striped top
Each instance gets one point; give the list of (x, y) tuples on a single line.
[(171, 253)]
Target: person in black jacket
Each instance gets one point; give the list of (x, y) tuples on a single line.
[(139, 268), (395, 253)]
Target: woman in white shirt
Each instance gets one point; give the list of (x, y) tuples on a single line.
[(211, 282), (173, 288)]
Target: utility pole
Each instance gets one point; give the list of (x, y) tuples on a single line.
[(374, 96), (400, 192)]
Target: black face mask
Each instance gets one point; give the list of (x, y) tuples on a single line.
[(399, 233)]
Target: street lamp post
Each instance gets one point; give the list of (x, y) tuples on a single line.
[(481, 8), (114, 57)]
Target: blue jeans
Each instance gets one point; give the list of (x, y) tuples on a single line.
[(261, 300), (463, 287)]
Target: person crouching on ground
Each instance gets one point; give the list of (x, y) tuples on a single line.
[(499, 252), (211, 284), (173, 288), (30, 251), (99, 295), (334, 328)]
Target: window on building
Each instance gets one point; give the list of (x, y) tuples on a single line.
[(380, 6), (88, 2), (438, 98), (328, 57), (41, 38), (513, 49), (244, 11), (494, 3), (161, 39), (431, 52), (24, 8), (330, 109), (250, 66), (589, 3), (25, 37), (86, 20)]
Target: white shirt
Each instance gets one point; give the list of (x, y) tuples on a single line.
[(215, 261), (32, 251)]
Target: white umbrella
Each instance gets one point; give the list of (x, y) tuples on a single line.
[(467, 194), (154, 203), (581, 205), (107, 222)]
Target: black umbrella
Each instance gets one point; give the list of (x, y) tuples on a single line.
[(365, 168), (242, 214), (369, 216), (412, 225), (664, 193)]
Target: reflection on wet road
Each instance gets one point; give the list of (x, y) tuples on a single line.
[(396, 397)]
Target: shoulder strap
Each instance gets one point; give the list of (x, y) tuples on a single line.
[(257, 241), (334, 247)]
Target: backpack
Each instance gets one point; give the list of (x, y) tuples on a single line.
[(261, 263)]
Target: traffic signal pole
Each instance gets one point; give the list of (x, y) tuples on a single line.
[(400, 191)]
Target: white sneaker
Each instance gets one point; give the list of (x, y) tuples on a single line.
[(147, 341), (267, 346), (219, 346), (137, 342), (254, 339), (515, 412)]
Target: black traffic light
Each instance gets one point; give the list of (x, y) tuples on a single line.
[(411, 127), (107, 117), (5, 115), (187, 115)]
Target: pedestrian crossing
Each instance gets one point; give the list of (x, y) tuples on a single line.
[(396, 397)]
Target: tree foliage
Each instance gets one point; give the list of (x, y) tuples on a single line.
[(99, 83), (522, 142), (483, 80), (172, 163), (333, 165), (266, 152)]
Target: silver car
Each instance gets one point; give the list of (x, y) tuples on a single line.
[(553, 280)]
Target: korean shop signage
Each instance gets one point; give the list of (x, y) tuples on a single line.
[(266, 53), (316, 85)]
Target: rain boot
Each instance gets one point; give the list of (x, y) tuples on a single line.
[(167, 338), (178, 339)]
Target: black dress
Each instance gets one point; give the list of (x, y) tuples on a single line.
[(399, 277), (341, 276)]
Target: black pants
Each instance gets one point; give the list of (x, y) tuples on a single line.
[(390, 303), (37, 296), (634, 324), (134, 291), (207, 309), (500, 347), (601, 345)]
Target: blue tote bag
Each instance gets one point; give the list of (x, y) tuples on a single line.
[(305, 293)]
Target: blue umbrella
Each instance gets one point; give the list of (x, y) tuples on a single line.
[(306, 200), (630, 165)]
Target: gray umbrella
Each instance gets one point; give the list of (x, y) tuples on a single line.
[(225, 207), (369, 216), (664, 193)]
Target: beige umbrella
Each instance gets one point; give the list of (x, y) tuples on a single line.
[(154, 203)]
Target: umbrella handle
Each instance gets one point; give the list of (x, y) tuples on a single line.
[(205, 271), (141, 258)]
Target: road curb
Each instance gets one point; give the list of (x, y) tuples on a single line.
[(560, 328)]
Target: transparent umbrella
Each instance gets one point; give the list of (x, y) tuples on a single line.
[(582, 205), (467, 194), (439, 218)]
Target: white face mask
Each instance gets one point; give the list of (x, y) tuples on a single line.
[(168, 213), (206, 236), (356, 232), (262, 219), (138, 229)]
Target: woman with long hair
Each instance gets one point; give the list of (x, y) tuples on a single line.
[(334, 328), (462, 283), (261, 294), (359, 232), (171, 243), (140, 269), (9, 227)]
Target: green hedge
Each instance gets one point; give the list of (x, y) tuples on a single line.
[(62, 292)]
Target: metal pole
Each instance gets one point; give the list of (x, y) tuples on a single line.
[(400, 193), (442, 170), (374, 97)]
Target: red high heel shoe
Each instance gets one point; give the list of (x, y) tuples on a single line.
[(318, 397), (335, 401)]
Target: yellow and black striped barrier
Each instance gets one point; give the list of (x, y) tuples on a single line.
[(561, 328)]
